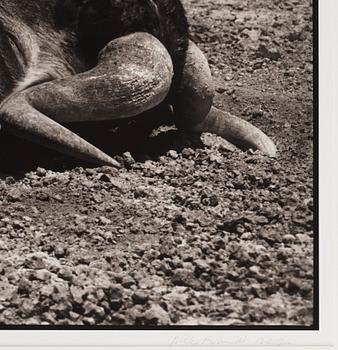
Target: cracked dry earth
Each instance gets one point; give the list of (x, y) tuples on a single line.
[(184, 233)]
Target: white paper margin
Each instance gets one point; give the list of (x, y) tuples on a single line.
[(326, 337)]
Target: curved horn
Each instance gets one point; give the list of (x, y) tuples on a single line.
[(237, 131), (196, 93), (133, 75), (194, 109), (21, 119)]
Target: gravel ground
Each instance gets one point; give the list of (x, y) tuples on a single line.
[(186, 232)]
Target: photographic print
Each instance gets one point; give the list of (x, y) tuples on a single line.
[(158, 164)]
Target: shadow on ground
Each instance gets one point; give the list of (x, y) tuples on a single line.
[(146, 137)]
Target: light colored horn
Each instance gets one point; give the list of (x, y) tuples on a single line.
[(133, 75), (22, 120), (237, 131)]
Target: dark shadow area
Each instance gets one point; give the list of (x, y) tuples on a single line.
[(146, 137)]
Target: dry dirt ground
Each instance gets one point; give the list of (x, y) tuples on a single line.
[(189, 233)]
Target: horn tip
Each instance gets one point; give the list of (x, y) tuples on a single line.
[(269, 149)]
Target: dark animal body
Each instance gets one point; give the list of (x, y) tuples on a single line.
[(90, 60)]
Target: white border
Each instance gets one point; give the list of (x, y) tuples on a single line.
[(323, 339)]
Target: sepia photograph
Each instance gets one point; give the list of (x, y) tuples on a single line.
[(158, 165)]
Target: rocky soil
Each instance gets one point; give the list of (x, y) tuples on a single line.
[(186, 232)]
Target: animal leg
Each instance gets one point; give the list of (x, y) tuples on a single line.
[(133, 75), (194, 110)]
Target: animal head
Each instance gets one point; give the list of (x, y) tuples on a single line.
[(103, 60)]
